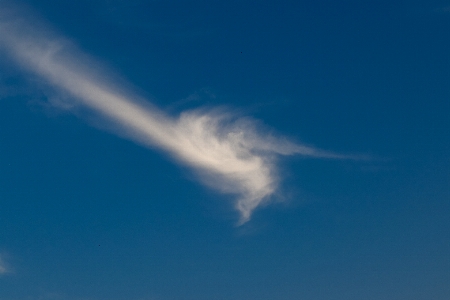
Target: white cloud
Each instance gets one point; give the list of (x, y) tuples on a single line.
[(233, 155)]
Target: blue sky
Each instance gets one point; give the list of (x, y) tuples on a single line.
[(224, 150)]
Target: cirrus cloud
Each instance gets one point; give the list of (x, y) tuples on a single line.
[(233, 155)]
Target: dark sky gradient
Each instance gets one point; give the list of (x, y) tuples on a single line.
[(85, 214)]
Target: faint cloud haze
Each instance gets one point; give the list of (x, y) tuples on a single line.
[(3, 268), (231, 154), (443, 9)]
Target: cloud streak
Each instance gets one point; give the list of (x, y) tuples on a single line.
[(233, 155)]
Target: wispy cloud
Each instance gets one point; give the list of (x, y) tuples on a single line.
[(443, 9), (233, 155), (3, 268)]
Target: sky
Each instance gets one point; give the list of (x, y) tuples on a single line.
[(154, 150)]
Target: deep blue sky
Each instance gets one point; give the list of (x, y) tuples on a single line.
[(85, 214)]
